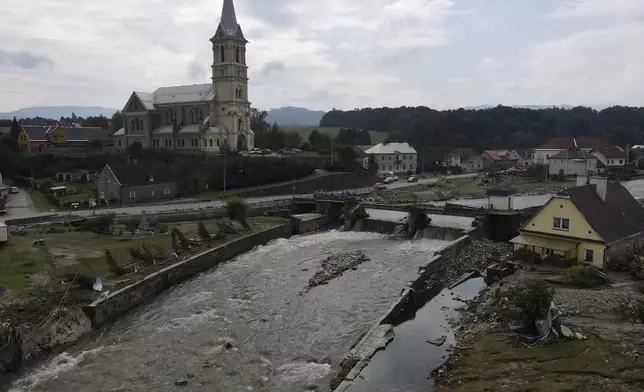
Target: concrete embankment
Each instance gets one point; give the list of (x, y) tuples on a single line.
[(382, 331), (121, 301)]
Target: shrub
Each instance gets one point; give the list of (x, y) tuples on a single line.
[(631, 310), (532, 299), (524, 254), (99, 224), (236, 209), (111, 262), (179, 239), (203, 232)]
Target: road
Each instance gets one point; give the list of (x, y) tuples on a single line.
[(25, 209)]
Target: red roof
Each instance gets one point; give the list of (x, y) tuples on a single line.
[(562, 143), (610, 151), (364, 147), (503, 155), (5, 130)]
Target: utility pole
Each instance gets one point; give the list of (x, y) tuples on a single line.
[(332, 154), (225, 163)]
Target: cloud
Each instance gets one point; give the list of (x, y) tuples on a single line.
[(488, 63), (441, 53), (24, 59)]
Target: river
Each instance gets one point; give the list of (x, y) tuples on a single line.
[(244, 325)]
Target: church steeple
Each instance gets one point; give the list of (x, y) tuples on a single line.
[(228, 21)]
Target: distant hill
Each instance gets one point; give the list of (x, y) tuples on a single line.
[(294, 116), (305, 132), (532, 107), (56, 112)]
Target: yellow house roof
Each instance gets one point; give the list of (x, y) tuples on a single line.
[(544, 242)]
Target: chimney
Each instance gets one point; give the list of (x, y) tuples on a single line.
[(601, 186), (582, 180)]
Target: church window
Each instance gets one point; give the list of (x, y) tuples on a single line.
[(237, 56), (239, 125), (167, 117), (221, 54), (210, 142), (225, 142), (132, 126), (193, 115), (217, 142)]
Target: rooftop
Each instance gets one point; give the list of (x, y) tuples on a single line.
[(573, 153), (142, 173), (561, 143), (391, 148)]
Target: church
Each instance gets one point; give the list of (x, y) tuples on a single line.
[(211, 117)]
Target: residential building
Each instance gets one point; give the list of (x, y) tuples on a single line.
[(361, 156), (5, 131), (499, 159), (573, 162), (611, 157), (134, 183), (209, 117), (526, 156), (596, 222), (394, 157), (75, 175), (466, 159), (556, 145), (500, 198), (33, 138)]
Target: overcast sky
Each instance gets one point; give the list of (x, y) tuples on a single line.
[(330, 53)]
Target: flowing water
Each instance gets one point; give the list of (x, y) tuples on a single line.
[(244, 326)]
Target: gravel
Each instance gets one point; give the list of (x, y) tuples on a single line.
[(334, 266)]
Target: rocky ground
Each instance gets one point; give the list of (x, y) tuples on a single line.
[(489, 357), (334, 266)]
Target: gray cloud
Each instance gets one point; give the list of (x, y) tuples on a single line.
[(196, 70), (24, 59), (273, 67)]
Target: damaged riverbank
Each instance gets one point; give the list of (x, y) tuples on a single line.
[(490, 357), (466, 256)]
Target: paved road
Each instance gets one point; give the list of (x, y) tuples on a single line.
[(27, 210)]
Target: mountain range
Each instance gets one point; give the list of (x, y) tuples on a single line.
[(56, 112)]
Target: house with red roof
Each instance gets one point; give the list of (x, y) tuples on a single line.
[(500, 159)]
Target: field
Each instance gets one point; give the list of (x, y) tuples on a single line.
[(305, 131)]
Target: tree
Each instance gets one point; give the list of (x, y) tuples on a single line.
[(117, 121), (134, 150), (561, 176), (258, 120), (236, 209), (8, 143), (314, 138), (203, 232), (97, 121), (74, 118), (15, 129)]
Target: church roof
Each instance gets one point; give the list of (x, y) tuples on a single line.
[(184, 94), (229, 19), (147, 99)]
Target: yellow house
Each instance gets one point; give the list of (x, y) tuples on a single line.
[(596, 222), (32, 138), (57, 135)]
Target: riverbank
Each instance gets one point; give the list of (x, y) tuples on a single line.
[(49, 280), (489, 357)]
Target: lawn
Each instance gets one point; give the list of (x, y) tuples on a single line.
[(305, 131), (40, 201)]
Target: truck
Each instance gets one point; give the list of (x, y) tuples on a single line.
[(4, 233)]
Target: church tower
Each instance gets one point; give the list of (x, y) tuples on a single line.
[(230, 81)]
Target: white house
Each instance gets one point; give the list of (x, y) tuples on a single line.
[(610, 156), (573, 162), (395, 157)]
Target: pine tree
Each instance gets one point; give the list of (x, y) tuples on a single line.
[(15, 129)]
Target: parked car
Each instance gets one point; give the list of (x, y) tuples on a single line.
[(412, 179), (380, 186), (13, 190), (389, 180), (256, 151), (267, 151)]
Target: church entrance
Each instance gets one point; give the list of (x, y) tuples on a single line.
[(242, 144)]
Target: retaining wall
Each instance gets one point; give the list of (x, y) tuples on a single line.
[(116, 304), (376, 338)]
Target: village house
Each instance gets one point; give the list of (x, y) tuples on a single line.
[(135, 183), (573, 162), (557, 145), (610, 157), (526, 156), (500, 159), (34, 138), (466, 159), (596, 222), (361, 156), (394, 157)]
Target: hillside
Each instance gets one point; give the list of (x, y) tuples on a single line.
[(294, 116), (56, 112), (305, 131)]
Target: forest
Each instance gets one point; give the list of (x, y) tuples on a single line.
[(433, 133)]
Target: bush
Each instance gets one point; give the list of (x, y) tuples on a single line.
[(203, 232), (236, 209), (532, 299), (99, 224), (631, 310)]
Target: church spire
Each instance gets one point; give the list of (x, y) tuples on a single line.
[(228, 18)]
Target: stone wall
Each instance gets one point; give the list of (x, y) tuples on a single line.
[(379, 335), (116, 304), (618, 252), (329, 182)]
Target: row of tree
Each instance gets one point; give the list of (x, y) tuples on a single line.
[(114, 123), (433, 133)]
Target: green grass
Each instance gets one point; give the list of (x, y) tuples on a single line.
[(305, 131), (41, 202)]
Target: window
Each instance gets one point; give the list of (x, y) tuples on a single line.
[(237, 57), (119, 143), (102, 195), (166, 191), (561, 223), (221, 54), (240, 125), (210, 142), (589, 255), (621, 161), (217, 142), (132, 194), (153, 192)]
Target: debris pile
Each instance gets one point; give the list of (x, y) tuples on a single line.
[(334, 266)]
